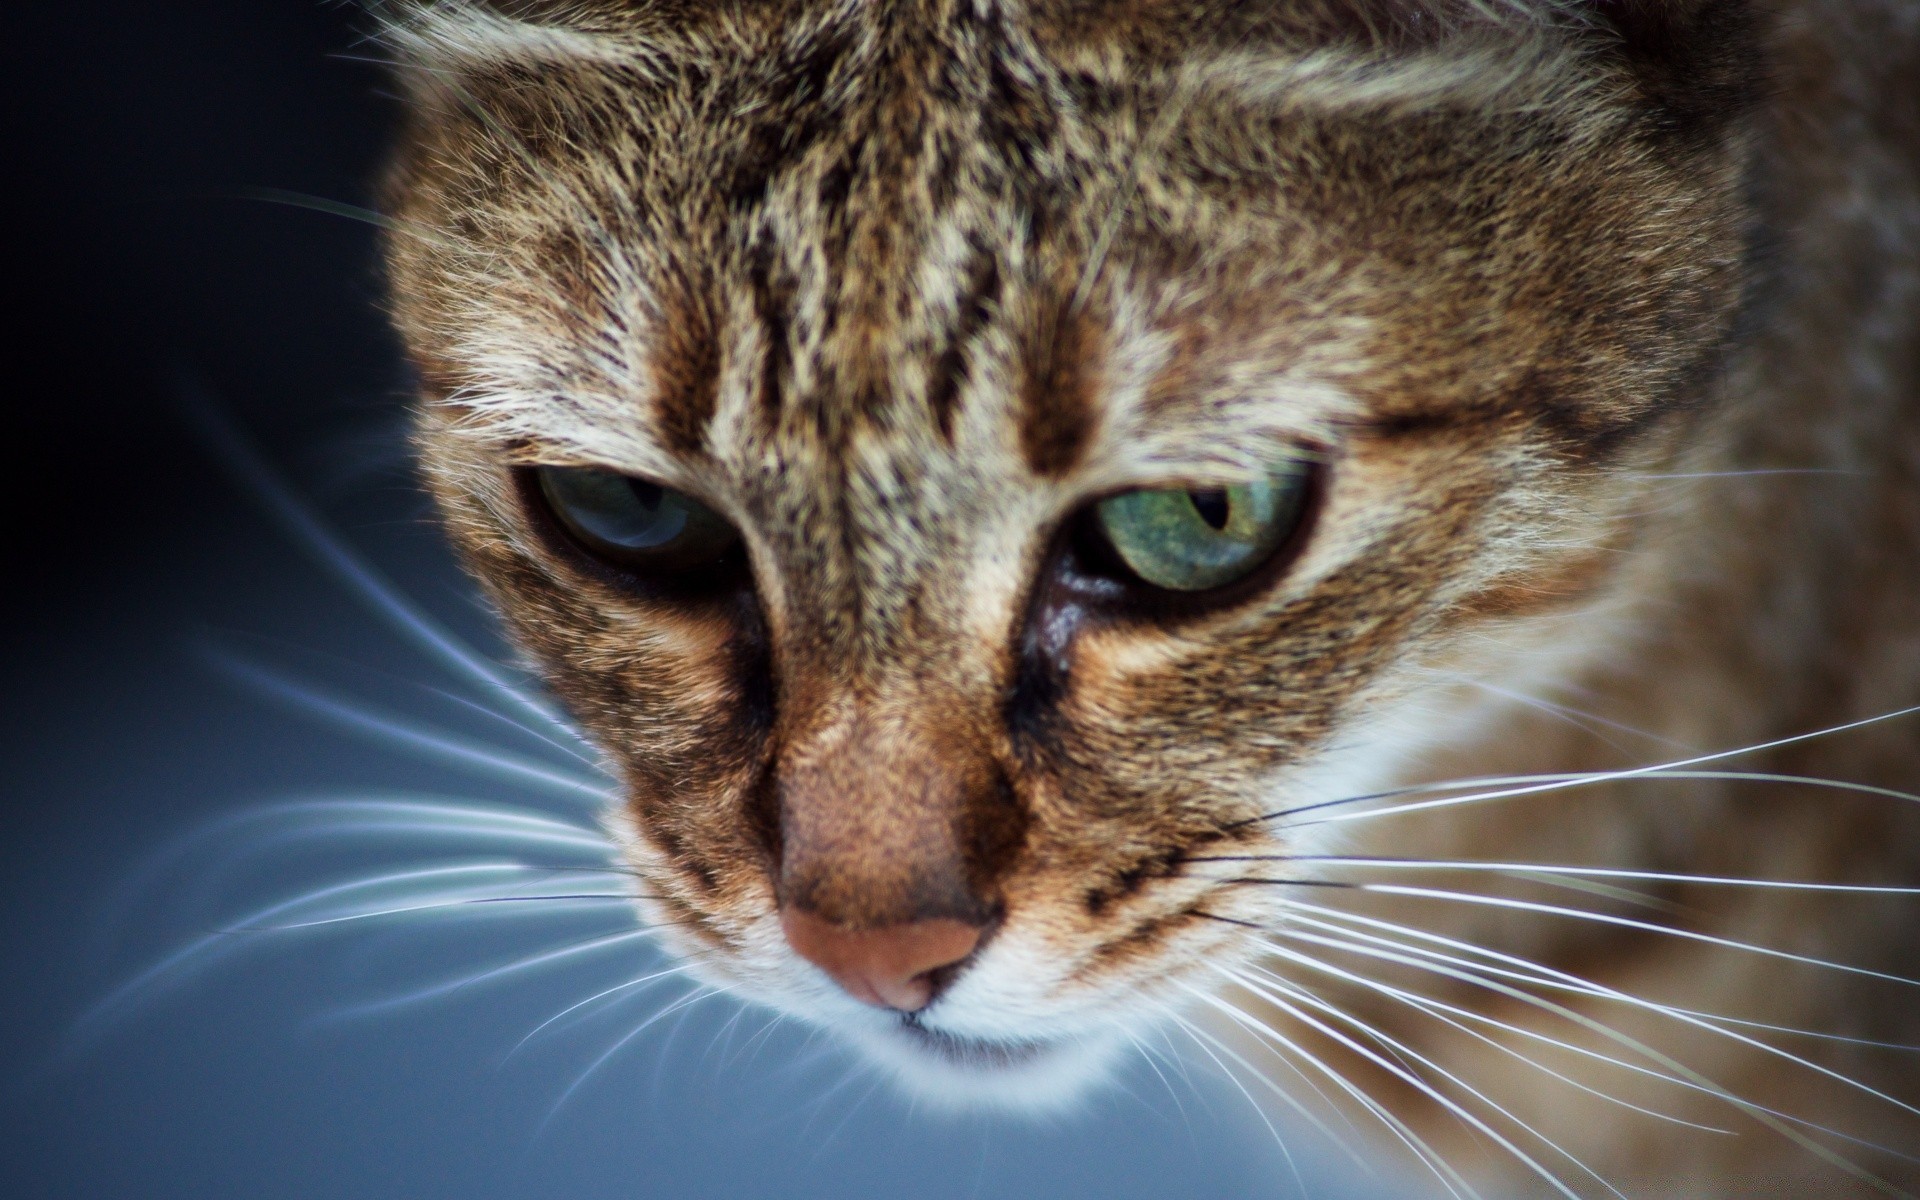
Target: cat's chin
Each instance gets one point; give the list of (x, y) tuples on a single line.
[(948, 1071)]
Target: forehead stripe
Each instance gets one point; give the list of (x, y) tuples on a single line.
[(1059, 394)]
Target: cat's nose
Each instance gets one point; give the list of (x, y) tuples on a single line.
[(890, 967)]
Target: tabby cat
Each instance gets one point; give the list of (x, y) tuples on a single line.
[(1351, 527)]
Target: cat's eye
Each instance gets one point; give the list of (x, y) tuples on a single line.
[(1197, 539), (633, 523)]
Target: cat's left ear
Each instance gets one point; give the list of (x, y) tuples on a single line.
[(1698, 63)]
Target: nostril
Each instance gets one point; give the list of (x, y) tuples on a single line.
[(889, 967)]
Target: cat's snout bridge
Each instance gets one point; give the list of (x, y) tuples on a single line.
[(894, 835)]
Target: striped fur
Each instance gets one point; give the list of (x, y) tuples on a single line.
[(899, 288)]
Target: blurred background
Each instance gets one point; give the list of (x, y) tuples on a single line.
[(148, 597)]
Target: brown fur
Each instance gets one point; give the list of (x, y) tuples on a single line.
[(900, 288)]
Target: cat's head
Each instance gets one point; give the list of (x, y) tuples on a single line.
[(963, 459)]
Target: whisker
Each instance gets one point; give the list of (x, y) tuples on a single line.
[(1284, 996), (201, 946), (1388, 862), (1179, 96), (1438, 1010), (399, 813), (1743, 474), (435, 906), (485, 711), (1146, 1056), (1576, 717), (518, 966), (1394, 889), (1595, 778), (1713, 1090), (693, 997), (1286, 1153), (340, 208), (364, 719), (586, 760), (1557, 783), (616, 989), (1209, 1044), (1903, 1047), (245, 462), (1482, 975), (1436, 1163), (764, 1034)]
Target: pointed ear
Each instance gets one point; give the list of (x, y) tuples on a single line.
[(1698, 63)]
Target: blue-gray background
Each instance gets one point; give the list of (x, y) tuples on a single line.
[(137, 262)]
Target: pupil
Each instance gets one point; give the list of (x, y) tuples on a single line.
[(648, 494), (1212, 507)]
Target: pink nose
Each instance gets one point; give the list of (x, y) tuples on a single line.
[(890, 967)]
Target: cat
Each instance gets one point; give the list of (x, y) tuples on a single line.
[(1384, 532)]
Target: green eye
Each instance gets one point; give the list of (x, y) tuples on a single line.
[(1190, 540), (635, 523)]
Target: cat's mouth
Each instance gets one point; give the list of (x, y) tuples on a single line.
[(972, 1053), (956, 1071)]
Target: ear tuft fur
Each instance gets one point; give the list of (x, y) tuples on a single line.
[(453, 33)]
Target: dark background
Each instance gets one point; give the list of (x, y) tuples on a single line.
[(139, 266)]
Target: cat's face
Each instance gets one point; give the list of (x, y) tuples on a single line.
[(895, 297)]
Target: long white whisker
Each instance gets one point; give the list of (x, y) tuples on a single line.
[(468, 811), (1482, 975), (1676, 475), (691, 998), (679, 969), (479, 709), (1600, 777), (1506, 786), (1338, 943), (1196, 1034), (1285, 997), (340, 208), (1285, 1153), (1146, 1056), (1820, 1035), (1588, 779), (571, 748), (200, 946), (518, 966), (439, 744), (1559, 910), (565, 899), (1537, 974), (1573, 716), (318, 817), (1439, 1011), (246, 463), (1522, 868), (1426, 1155)]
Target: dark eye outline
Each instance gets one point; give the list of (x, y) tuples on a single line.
[(1085, 567), (721, 578)]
